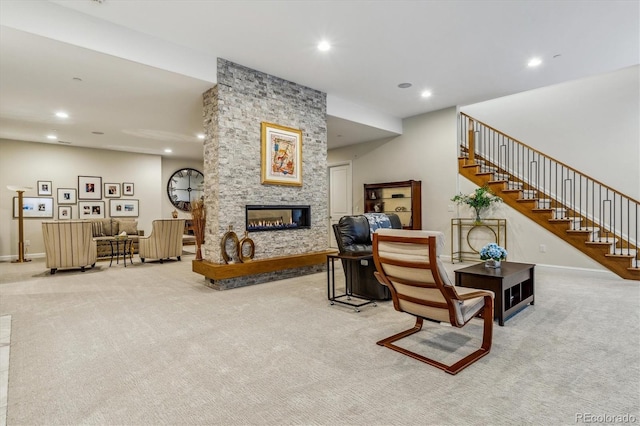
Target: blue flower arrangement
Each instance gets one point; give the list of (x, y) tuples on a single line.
[(493, 251)]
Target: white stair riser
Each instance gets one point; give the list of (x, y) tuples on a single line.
[(514, 185), (544, 204), (500, 176)]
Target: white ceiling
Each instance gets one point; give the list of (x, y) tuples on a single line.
[(144, 64)]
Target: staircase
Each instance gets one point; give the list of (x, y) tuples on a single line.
[(592, 217)]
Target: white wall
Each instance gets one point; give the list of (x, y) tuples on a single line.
[(24, 163), (591, 124), (426, 152)]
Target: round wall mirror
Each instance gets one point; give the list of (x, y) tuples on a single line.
[(184, 187)]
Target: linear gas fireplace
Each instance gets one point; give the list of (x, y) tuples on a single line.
[(277, 217)]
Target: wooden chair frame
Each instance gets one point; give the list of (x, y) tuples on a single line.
[(449, 293)]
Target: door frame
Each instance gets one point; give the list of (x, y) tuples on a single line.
[(349, 193)]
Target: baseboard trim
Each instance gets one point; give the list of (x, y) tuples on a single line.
[(28, 256)]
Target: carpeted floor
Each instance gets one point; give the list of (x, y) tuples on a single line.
[(150, 344)]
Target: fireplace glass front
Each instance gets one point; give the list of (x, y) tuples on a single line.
[(277, 217)]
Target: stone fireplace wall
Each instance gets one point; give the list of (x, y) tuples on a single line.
[(233, 111)]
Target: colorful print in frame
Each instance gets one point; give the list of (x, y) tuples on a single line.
[(281, 155)]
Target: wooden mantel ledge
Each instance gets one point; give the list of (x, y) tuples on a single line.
[(216, 271)]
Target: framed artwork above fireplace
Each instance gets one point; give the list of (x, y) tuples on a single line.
[(281, 155)]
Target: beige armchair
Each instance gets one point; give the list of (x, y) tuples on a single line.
[(165, 240), (407, 263), (69, 244)]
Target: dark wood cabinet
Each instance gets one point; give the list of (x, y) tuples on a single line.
[(402, 198)]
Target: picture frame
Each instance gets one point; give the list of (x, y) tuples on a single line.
[(89, 188), (45, 187), (91, 210), (281, 155), (124, 208), (64, 212), (67, 196), (111, 190), (34, 207), (127, 188)]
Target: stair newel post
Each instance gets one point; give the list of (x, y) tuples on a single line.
[(472, 142)]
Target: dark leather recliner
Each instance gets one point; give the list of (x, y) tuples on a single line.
[(353, 235)]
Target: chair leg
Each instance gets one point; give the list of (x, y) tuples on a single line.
[(464, 362), (401, 335), (487, 339)]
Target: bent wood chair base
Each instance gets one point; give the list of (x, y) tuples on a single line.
[(407, 263), (456, 367)]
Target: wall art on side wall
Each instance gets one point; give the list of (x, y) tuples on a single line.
[(67, 196), (127, 188), (89, 188), (91, 209), (123, 208), (34, 207), (111, 190), (64, 212), (45, 187), (281, 155)]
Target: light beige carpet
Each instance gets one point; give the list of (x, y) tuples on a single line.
[(150, 344)]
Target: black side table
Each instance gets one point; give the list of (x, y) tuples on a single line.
[(512, 284), (351, 260), (127, 246)]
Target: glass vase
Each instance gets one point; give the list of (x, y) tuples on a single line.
[(492, 263), (478, 219)]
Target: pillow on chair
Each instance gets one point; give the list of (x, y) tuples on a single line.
[(96, 228)]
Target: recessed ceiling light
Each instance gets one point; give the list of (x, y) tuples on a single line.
[(404, 85), (168, 151), (426, 94), (76, 79), (534, 62), (97, 133), (52, 137), (62, 114), (323, 46), (200, 136)]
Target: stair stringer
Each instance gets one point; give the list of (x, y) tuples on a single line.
[(598, 251)]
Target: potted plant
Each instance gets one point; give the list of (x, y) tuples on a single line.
[(479, 200), (493, 255)]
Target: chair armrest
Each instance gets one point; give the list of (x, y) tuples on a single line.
[(474, 294), (380, 279)]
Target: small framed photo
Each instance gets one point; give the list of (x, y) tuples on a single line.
[(89, 188), (45, 187), (34, 207), (123, 208), (64, 212), (91, 209), (67, 196), (127, 188), (111, 190)]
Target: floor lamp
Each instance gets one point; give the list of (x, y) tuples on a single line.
[(20, 190)]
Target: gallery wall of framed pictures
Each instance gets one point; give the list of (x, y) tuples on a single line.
[(88, 199)]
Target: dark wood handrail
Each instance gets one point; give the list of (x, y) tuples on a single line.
[(551, 158)]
